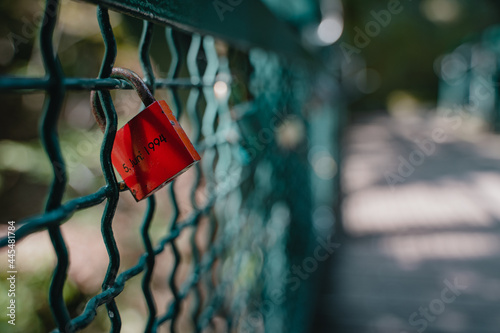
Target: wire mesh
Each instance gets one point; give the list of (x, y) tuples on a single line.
[(253, 186)]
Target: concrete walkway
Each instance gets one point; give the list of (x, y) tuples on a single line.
[(422, 225)]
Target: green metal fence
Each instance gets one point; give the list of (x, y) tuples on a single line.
[(469, 79), (266, 134)]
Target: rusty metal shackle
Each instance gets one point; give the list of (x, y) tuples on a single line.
[(131, 77)]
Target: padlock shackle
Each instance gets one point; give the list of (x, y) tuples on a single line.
[(131, 77)]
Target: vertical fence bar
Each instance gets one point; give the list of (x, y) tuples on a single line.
[(144, 48), (50, 142), (192, 110), (150, 262), (173, 45), (107, 167)]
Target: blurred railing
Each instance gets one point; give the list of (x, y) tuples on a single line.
[(469, 84), (267, 127)]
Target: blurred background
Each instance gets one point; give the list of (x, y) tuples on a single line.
[(420, 170), (416, 86)]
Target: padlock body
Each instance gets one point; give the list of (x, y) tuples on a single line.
[(151, 150)]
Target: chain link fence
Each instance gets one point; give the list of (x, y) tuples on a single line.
[(262, 112)]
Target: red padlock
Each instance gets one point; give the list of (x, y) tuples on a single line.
[(152, 148)]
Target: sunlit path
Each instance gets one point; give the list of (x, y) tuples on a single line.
[(422, 254)]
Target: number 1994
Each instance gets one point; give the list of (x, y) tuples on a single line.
[(156, 142)]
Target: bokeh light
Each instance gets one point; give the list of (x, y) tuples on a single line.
[(441, 11), (221, 89), (330, 29)]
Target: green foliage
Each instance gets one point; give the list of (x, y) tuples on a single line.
[(405, 50)]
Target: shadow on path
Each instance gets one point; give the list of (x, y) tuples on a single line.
[(422, 254)]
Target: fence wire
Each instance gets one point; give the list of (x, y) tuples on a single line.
[(254, 184)]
